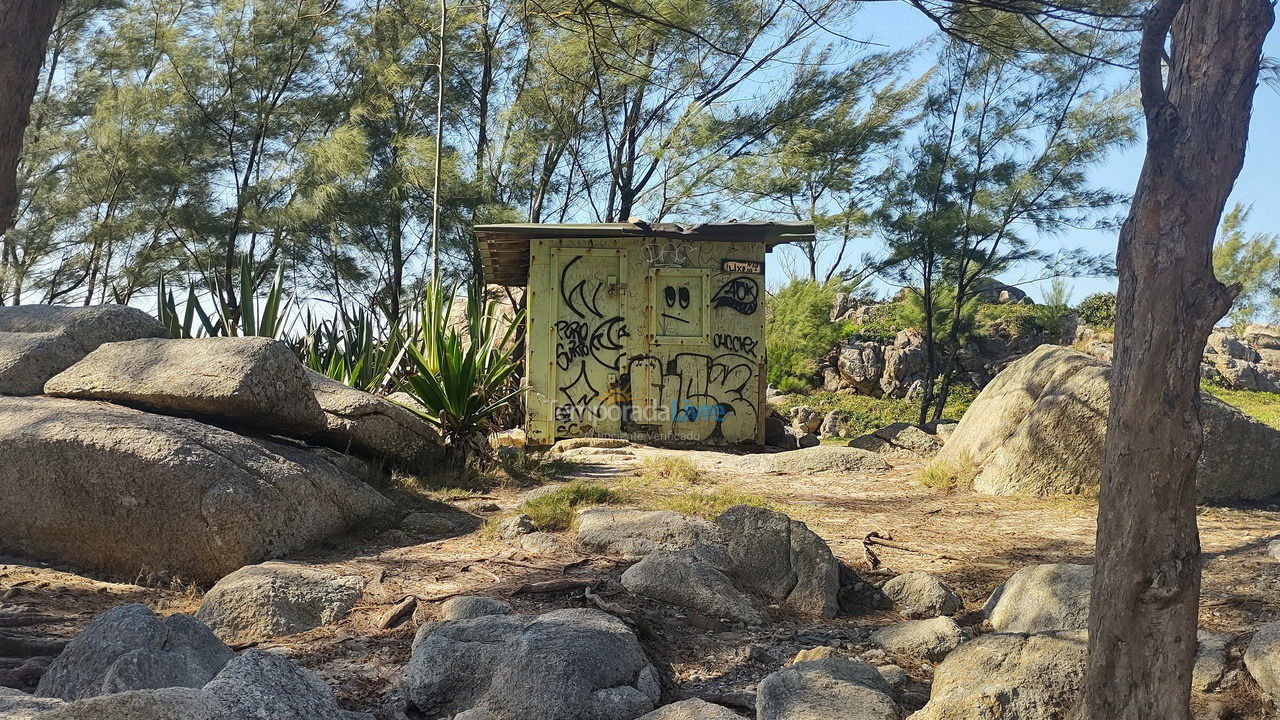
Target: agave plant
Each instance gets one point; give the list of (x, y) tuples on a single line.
[(268, 318), (461, 373), (353, 350)]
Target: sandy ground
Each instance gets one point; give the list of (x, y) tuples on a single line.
[(972, 542)]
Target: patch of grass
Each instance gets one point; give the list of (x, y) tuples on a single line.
[(948, 476), (1262, 406), (867, 414), (711, 504), (670, 469), (555, 510)]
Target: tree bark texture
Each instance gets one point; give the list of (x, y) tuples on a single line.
[(1142, 625), (24, 34)]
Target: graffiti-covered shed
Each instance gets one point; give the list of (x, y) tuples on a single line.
[(648, 332)]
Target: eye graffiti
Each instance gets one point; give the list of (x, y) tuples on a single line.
[(735, 343), (675, 295), (740, 293)]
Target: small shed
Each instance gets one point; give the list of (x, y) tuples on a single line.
[(644, 332)]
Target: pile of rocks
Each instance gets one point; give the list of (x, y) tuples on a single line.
[(1250, 361), (128, 452)]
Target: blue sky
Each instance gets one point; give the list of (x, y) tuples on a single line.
[(898, 25)]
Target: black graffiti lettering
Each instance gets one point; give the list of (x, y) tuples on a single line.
[(576, 297), (740, 293), (735, 343), (603, 344)]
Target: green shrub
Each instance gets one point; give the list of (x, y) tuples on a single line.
[(867, 413), (711, 504), (800, 332), (1009, 320), (883, 325), (555, 510), (1098, 310)]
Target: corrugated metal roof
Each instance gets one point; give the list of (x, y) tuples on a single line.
[(504, 249)]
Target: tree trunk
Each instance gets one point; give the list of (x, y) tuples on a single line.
[(1142, 625), (24, 34)]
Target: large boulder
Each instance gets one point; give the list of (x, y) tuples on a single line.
[(40, 341), (820, 459), (1009, 676), (250, 381), (830, 689), (633, 534), (921, 595), (258, 602), (129, 648), (259, 685), (357, 420), (466, 607), (123, 491), (1038, 429), (904, 362), (780, 559), (899, 440), (681, 578), (860, 365), (1039, 598), (563, 665), (1261, 336)]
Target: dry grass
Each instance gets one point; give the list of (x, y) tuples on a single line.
[(556, 509), (710, 504), (948, 476), (670, 469)]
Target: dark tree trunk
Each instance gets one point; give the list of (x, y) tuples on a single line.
[(25, 26), (1142, 626)]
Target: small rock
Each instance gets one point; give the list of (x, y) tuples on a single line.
[(897, 678), (921, 595), (681, 578), (541, 543), (276, 598), (1262, 658), (17, 705), (466, 607), (692, 709), (821, 652), (428, 523), (1273, 549), (633, 534), (930, 639), (515, 526), (1211, 660), (478, 506), (808, 440), (825, 689)]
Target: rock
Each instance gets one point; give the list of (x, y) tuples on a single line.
[(860, 366), (1007, 676), (250, 381), (859, 595), (1261, 336), (123, 491), (467, 607), (822, 652), (258, 684), (805, 419), (829, 689), (824, 458), (1038, 429), (429, 523), (930, 639), (1211, 660), (632, 534), (1226, 344), (513, 438), (899, 439), (17, 705), (356, 420), (1273, 549), (903, 363), (781, 559), (1040, 598), (921, 595), (945, 429), (807, 440), (259, 602), (563, 665), (896, 677), (541, 543), (40, 341), (1242, 375), (681, 578), (515, 526), (1262, 658), (692, 709), (993, 291), (835, 424), (776, 433), (588, 442), (129, 648)]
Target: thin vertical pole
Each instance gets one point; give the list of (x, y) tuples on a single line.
[(435, 192)]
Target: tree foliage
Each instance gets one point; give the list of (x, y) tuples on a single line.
[(1251, 262)]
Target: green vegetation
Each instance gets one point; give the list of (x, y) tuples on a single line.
[(461, 381), (799, 332), (555, 510), (668, 469), (1262, 406), (712, 503), (868, 413), (1251, 261), (949, 476), (1098, 311)]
